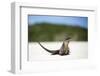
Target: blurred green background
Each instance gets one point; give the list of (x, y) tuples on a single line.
[(56, 32)]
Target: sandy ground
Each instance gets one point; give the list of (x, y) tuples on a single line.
[(78, 50)]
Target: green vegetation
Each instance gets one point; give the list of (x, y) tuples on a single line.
[(55, 32)]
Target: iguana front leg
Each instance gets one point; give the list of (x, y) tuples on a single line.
[(67, 51)]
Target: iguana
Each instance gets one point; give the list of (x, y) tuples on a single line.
[(64, 50)]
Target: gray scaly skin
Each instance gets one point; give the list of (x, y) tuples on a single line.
[(64, 50)]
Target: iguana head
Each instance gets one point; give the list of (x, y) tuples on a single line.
[(68, 38)]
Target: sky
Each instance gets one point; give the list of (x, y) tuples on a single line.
[(72, 20)]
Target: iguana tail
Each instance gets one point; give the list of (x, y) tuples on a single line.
[(50, 51)]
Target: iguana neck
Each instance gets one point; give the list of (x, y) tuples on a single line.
[(66, 44)]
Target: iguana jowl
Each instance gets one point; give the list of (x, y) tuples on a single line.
[(64, 50)]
